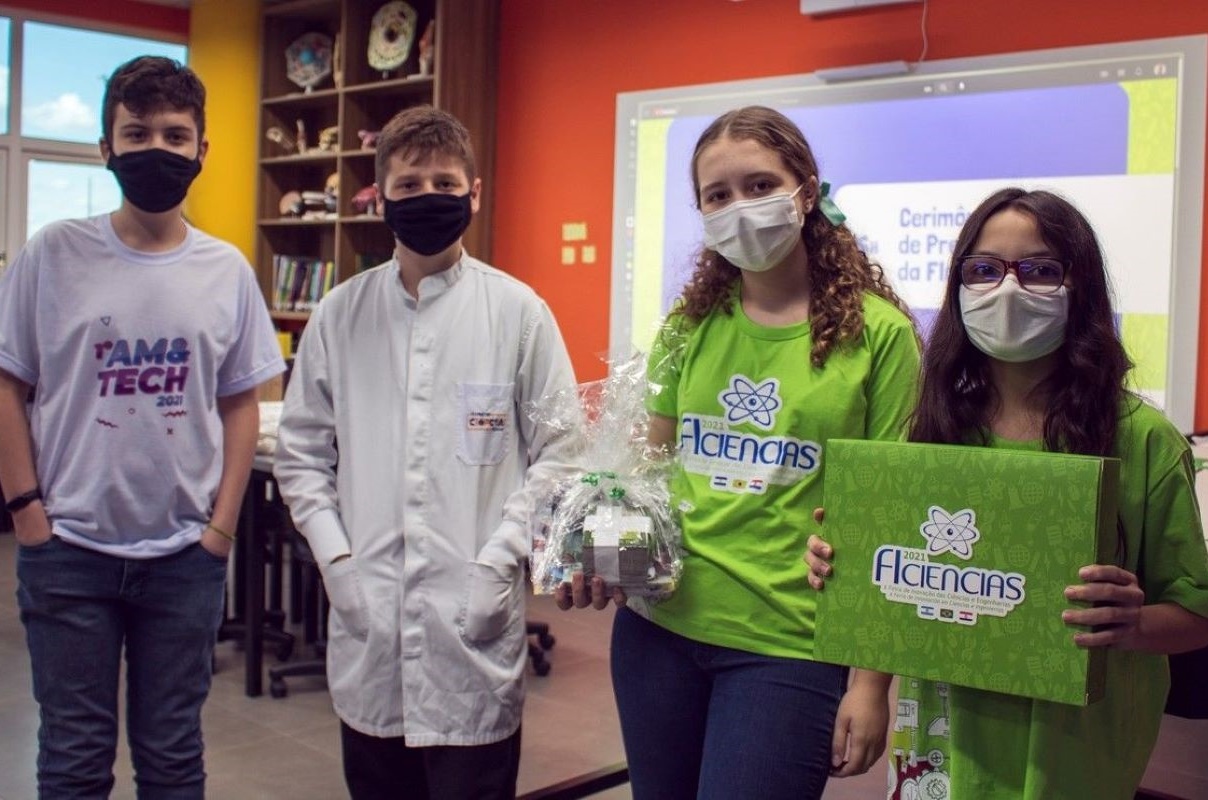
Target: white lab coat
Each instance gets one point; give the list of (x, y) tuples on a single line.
[(421, 407)]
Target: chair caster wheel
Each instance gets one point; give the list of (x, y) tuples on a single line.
[(278, 689), (541, 668), (546, 641)]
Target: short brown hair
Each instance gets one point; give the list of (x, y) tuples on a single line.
[(152, 83), (423, 131)]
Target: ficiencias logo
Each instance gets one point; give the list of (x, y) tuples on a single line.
[(946, 592), (954, 533), (741, 462), (745, 401)]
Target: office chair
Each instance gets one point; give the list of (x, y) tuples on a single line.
[(307, 585), (274, 633), (306, 589)]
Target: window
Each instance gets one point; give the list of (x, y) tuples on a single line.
[(65, 189), (61, 96), (5, 33), (50, 166)]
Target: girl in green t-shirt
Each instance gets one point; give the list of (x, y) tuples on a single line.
[(785, 337), (1025, 354)]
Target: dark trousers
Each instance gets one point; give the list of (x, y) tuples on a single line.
[(377, 768)]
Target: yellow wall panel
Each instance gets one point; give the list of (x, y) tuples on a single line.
[(224, 42)]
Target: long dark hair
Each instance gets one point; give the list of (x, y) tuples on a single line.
[(1084, 391), (840, 271)]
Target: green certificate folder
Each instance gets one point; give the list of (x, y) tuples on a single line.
[(951, 564)]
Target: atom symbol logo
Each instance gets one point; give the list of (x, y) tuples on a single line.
[(747, 402), (953, 533)]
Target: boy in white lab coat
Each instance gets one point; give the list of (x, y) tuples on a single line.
[(404, 457)]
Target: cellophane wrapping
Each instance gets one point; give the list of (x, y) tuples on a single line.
[(610, 513)]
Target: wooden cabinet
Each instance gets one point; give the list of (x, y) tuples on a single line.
[(357, 98)]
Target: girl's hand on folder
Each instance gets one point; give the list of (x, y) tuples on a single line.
[(1116, 613), (1120, 620), (580, 595), (818, 555)]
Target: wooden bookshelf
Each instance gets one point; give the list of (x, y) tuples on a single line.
[(357, 98)]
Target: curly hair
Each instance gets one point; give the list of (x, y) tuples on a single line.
[(1086, 388), (840, 272)]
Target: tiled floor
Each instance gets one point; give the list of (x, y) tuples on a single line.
[(262, 748)]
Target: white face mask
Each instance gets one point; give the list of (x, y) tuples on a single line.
[(1012, 324), (755, 235)]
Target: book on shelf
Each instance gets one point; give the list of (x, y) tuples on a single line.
[(299, 283)]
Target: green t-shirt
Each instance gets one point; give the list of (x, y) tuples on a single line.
[(753, 417), (958, 743)]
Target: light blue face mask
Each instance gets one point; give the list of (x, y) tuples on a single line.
[(1009, 323), (755, 235)]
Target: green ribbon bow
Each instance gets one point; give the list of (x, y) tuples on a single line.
[(828, 207), (594, 477)]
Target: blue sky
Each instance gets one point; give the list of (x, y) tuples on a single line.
[(63, 80), (64, 77)]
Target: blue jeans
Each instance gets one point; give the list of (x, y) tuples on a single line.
[(708, 722), (79, 608)]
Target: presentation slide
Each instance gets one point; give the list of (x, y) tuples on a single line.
[(1115, 129)]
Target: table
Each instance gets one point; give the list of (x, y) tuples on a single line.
[(249, 619)]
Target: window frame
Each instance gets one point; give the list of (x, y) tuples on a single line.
[(5, 254), (17, 151)]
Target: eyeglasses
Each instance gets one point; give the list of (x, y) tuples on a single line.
[(1039, 275)]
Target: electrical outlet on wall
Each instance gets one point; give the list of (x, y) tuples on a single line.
[(575, 246)]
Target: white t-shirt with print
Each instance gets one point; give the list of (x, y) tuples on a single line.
[(128, 352)]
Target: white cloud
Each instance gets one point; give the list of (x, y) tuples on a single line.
[(65, 113)]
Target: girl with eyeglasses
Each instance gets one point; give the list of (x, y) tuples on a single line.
[(1024, 354), (786, 336)]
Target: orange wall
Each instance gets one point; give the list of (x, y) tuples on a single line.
[(562, 63)]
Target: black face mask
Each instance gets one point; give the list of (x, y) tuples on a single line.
[(429, 223), (154, 180)]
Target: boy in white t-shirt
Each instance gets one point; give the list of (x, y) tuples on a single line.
[(131, 346)]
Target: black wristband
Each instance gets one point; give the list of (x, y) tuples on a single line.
[(22, 500)]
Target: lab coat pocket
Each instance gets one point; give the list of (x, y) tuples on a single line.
[(489, 604), (485, 419), (347, 597)]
